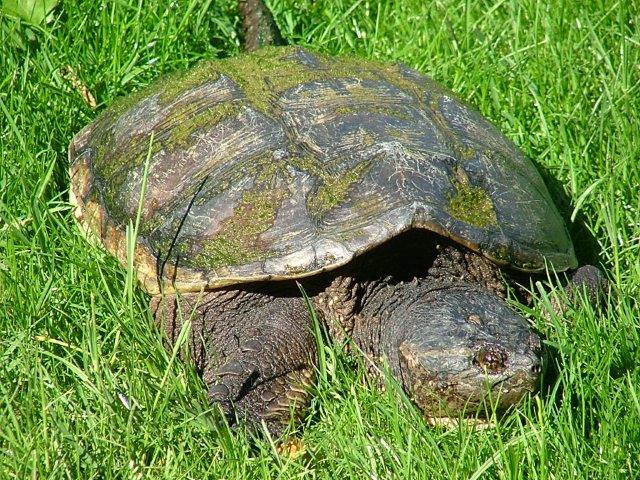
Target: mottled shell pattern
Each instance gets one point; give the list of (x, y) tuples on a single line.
[(283, 163)]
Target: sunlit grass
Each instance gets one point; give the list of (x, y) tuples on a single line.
[(87, 388)]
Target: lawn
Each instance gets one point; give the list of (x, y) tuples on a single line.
[(87, 389)]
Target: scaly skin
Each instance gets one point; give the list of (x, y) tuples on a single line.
[(254, 350), (446, 336)]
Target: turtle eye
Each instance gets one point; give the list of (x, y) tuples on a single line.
[(490, 358)]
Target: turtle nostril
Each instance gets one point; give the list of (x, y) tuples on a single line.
[(536, 369)]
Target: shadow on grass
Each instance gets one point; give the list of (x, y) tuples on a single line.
[(585, 244)]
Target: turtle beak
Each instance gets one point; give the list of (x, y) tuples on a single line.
[(445, 382)]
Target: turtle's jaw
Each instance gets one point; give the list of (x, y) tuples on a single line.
[(447, 387)]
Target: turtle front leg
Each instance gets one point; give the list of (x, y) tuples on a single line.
[(587, 278), (255, 352)]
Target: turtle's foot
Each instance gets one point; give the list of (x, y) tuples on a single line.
[(587, 279), (453, 422), (255, 352), (247, 394)]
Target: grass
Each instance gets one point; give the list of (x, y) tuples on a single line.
[(87, 389)]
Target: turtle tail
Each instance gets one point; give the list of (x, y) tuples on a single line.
[(259, 27)]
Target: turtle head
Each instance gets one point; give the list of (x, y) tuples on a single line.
[(463, 349)]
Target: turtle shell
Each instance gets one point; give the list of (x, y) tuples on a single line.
[(283, 163)]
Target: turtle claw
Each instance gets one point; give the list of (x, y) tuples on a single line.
[(247, 397)]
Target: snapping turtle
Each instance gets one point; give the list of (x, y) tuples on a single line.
[(391, 201)]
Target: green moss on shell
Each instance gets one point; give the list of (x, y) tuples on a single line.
[(261, 75), (464, 152), (237, 242), (383, 110), (334, 189), (472, 205), (265, 73), (180, 137), (364, 69), (270, 71)]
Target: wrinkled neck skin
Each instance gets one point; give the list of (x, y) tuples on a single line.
[(449, 337), (375, 328)]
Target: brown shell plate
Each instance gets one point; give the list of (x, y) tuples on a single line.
[(283, 163)]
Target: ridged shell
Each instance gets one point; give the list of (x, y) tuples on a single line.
[(284, 162)]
